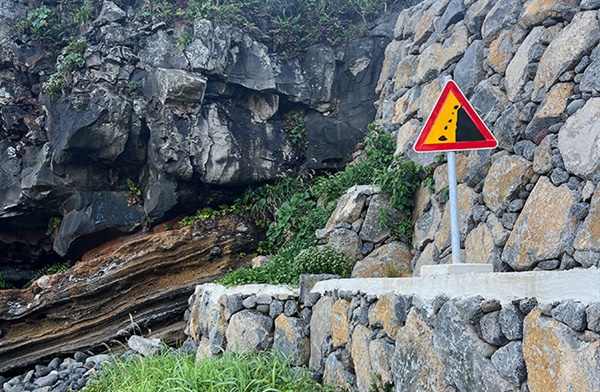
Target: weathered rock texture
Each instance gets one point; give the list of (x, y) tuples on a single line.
[(398, 342), (142, 282), (530, 69), (184, 122)]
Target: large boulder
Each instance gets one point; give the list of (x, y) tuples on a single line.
[(557, 358), (531, 241), (89, 218), (581, 157)]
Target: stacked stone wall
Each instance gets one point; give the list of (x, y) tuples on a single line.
[(356, 340), (530, 69)]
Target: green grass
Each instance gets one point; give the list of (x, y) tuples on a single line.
[(251, 372)]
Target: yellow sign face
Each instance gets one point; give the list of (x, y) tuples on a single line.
[(444, 129)]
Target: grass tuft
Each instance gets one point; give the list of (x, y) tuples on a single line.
[(248, 372)]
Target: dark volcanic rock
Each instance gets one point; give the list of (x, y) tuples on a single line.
[(91, 218), (185, 123)]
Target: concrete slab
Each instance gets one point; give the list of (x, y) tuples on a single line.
[(579, 284), (456, 269)]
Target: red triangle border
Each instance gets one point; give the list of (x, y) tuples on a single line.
[(489, 142)]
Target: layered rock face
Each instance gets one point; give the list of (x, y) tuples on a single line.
[(530, 69), (138, 283), (185, 123)]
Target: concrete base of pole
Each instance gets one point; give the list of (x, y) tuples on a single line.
[(456, 269)]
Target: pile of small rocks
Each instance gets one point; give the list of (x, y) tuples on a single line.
[(69, 374), (73, 374)]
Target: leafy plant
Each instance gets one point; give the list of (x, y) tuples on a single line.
[(78, 46), (399, 182), (82, 14), (156, 11), (428, 181), (279, 270), (133, 193), (53, 226), (267, 199), (323, 260), (206, 213), (380, 147), (134, 87), (2, 282), (293, 26), (290, 207), (44, 24), (184, 40), (66, 66), (399, 229), (293, 126)]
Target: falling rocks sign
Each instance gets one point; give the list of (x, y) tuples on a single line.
[(454, 125)]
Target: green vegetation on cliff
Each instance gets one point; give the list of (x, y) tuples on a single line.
[(293, 208), (289, 27), (292, 25)]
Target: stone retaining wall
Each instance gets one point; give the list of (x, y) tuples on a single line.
[(530, 69), (356, 339)]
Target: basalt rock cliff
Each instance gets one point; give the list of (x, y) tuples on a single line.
[(178, 113)]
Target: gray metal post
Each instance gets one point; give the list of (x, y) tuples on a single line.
[(454, 230)]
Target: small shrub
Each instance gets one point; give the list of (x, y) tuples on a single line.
[(331, 187), (2, 282), (323, 260), (279, 270), (380, 146), (293, 126), (399, 182), (291, 209), (53, 226), (134, 88), (79, 46), (67, 65), (44, 24), (133, 193), (264, 201)]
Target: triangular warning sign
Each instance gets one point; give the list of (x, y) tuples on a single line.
[(454, 125)]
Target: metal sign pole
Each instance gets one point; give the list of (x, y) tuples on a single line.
[(454, 125), (452, 187)]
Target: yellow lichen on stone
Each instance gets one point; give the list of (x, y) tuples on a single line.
[(339, 322), (557, 360)]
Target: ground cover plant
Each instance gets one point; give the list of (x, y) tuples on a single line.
[(265, 371)]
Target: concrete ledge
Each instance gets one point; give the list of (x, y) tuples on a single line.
[(581, 284), (456, 269)]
